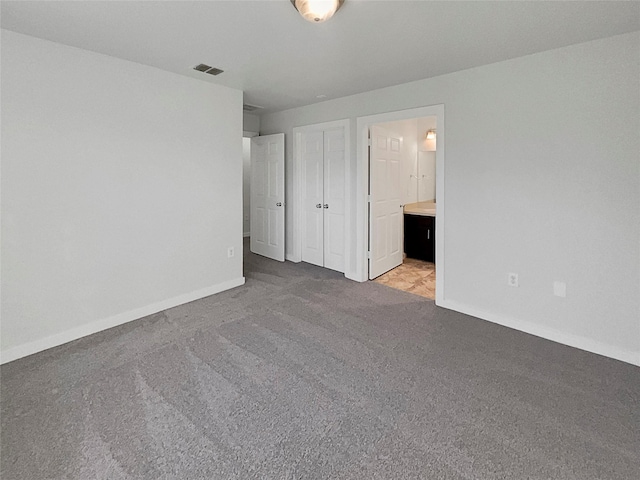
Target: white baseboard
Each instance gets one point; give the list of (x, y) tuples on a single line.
[(36, 346), (290, 257), (554, 335)]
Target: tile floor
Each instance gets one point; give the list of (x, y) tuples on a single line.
[(414, 276)]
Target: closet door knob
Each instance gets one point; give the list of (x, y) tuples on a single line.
[(279, 204), (326, 205), (318, 205)]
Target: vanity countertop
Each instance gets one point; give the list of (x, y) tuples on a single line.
[(426, 209)]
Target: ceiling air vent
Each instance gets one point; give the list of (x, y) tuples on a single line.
[(250, 108), (207, 69)]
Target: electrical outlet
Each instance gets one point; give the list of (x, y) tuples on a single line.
[(512, 279), (230, 252), (560, 289)]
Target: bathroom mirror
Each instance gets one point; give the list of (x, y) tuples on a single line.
[(426, 160)]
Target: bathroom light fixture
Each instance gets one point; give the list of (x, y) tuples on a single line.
[(431, 134), (317, 11)]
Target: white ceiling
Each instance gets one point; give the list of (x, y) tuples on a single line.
[(281, 61)]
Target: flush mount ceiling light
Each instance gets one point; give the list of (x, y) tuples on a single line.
[(317, 11)]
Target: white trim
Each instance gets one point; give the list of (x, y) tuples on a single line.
[(296, 254), (61, 338), (291, 258), (246, 134), (363, 124), (576, 341)]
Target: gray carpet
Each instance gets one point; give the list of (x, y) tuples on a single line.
[(302, 374)]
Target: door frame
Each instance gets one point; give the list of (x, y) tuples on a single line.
[(249, 135), (296, 253), (363, 124)]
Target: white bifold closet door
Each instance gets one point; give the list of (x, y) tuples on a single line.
[(323, 198)]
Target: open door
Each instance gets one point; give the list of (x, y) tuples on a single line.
[(267, 196), (385, 210)]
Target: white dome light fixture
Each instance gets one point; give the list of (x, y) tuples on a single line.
[(317, 11)]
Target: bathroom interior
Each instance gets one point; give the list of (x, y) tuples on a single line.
[(417, 273)]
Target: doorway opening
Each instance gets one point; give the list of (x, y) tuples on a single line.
[(402, 210), (246, 194), (246, 182), (386, 193), (267, 215)]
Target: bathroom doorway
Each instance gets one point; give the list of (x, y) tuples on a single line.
[(361, 261), (402, 210)]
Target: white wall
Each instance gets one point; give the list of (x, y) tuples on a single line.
[(250, 123), (121, 191), (542, 179)]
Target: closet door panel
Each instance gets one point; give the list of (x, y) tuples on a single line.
[(334, 199), (312, 201)]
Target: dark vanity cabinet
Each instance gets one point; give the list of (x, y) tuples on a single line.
[(420, 237)]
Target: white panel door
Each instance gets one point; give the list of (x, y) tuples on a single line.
[(267, 196), (385, 214), (312, 198), (322, 160), (334, 199)]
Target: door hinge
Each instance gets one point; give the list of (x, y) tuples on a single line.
[(369, 198), (369, 141), (369, 254)]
